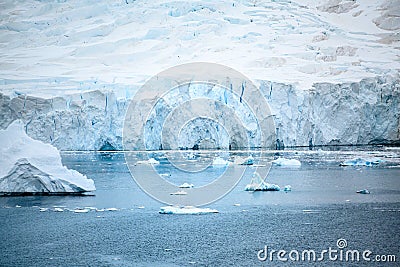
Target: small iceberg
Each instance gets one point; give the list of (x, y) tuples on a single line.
[(186, 185), (186, 210), (287, 188), (220, 162), (248, 161), (151, 161), (361, 162), (363, 191), (81, 210), (111, 209), (286, 162), (258, 184), (179, 193)]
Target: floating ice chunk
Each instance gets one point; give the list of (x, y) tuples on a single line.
[(220, 162), (111, 209), (258, 184), (186, 185), (361, 162), (287, 188), (179, 193), (248, 161), (151, 161), (363, 191), (286, 162), (262, 187), (186, 210), (81, 210), (31, 166)]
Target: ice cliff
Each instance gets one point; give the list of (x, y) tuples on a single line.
[(365, 112), (30, 166), (329, 69)]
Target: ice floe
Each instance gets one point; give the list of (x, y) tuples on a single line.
[(363, 191), (362, 162), (186, 185), (179, 193), (150, 161), (186, 210), (286, 162), (220, 162)]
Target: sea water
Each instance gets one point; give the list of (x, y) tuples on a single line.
[(121, 225)]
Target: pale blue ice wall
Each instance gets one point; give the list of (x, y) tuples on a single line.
[(349, 113)]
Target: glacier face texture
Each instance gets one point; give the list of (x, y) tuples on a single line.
[(351, 113), (31, 166)]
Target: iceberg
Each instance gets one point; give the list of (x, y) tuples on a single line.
[(361, 162), (258, 184), (286, 162), (186, 210), (220, 162), (363, 191), (28, 166)]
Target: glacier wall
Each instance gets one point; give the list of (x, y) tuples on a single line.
[(357, 113)]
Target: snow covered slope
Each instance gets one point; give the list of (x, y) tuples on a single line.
[(74, 45), (27, 165)]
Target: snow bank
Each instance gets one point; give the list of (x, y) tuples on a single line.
[(186, 210), (286, 162), (361, 162), (31, 166)]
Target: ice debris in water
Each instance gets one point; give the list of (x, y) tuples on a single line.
[(258, 184), (186, 210), (219, 162), (248, 161), (287, 188), (363, 191), (361, 162), (179, 193), (150, 161), (286, 162), (186, 185)]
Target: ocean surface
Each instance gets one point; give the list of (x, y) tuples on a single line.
[(122, 227)]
